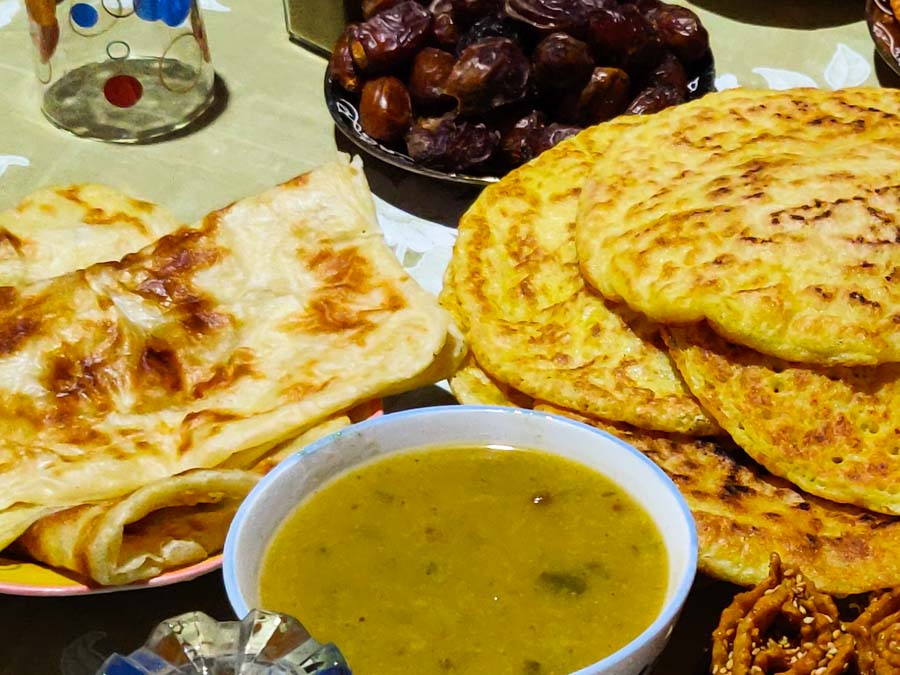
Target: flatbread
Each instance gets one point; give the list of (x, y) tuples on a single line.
[(172, 522), (515, 288), (772, 214), (62, 229), (833, 432), (260, 321)]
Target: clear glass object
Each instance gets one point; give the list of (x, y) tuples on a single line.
[(121, 70), (264, 643)]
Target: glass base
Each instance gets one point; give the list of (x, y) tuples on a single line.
[(129, 100)]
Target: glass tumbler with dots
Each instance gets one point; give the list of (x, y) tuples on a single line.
[(121, 70)]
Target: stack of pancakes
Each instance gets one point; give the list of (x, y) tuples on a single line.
[(142, 397), (719, 285)]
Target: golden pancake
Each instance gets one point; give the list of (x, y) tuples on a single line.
[(471, 385), (62, 229), (515, 287), (833, 432), (772, 214), (259, 322)]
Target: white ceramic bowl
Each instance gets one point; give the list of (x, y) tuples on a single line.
[(299, 475)]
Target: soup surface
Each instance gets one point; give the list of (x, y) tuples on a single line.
[(468, 560)]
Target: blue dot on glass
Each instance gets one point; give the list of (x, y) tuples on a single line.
[(174, 12), (171, 12), (83, 15)]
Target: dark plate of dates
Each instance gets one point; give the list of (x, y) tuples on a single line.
[(466, 90), (884, 28)]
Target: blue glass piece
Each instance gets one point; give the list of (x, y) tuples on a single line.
[(120, 665), (174, 12), (83, 15), (148, 10)]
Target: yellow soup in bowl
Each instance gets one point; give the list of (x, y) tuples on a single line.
[(468, 560)]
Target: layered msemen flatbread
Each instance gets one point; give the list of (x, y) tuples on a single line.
[(834, 432), (771, 214), (62, 229), (169, 523), (515, 286), (743, 513), (265, 318)]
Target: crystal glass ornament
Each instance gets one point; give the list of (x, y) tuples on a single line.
[(263, 643)]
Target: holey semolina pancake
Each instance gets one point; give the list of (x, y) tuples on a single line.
[(468, 560), (62, 229), (772, 214), (262, 320), (515, 286), (834, 432), (743, 513)]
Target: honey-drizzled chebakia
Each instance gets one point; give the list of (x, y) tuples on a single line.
[(783, 625), (877, 633)]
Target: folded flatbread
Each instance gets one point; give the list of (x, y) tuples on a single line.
[(62, 229), (238, 333), (173, 522)]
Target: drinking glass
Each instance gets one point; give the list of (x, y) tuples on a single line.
[(121, 70)]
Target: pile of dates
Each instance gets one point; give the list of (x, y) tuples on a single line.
[(482, 86)]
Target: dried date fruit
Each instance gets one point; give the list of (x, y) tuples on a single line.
[(521, 142), (467, 12), (643, 5), (604, 96), (553, 134), (670, 72), (443, 26), (653, 99), (489, 74), (555, 15), (390, 38), (428, 78), (560, 62), (490, 26), (372, 7), (680, 30), (385, 109), (624, 38), (450, 144), (343, 70)]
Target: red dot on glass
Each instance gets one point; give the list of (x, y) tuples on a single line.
[(123, 91)]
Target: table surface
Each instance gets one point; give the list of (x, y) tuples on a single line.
[(271, 124)]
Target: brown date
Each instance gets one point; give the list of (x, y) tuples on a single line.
[(449, 144), (555, 15), (489, 74), (390, 38), (428, 78), (520, 143), (653, 99), (680, 30), (372, 7), (604, 96), (553, 134), (385, 110), (670, 72), (468, 11), (560, 61), (343, 70), (490, 26), (624, 38)]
